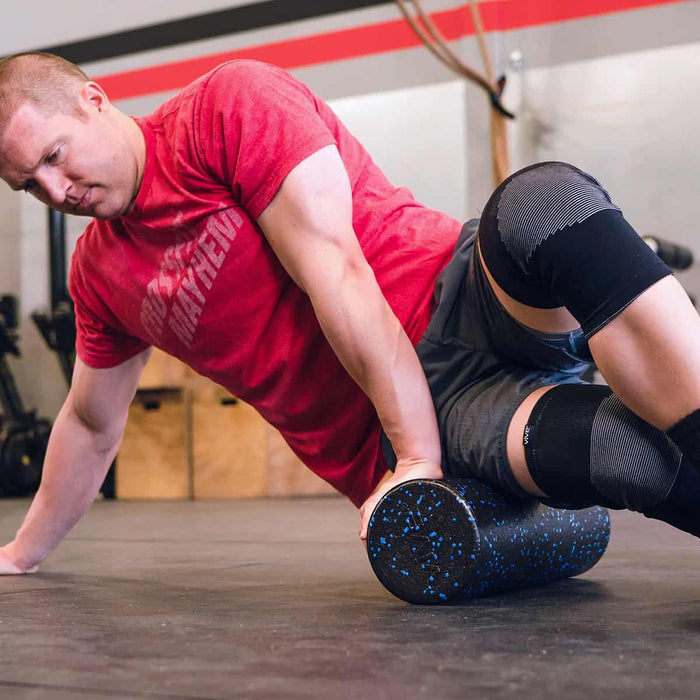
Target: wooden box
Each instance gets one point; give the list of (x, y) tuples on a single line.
[(162, 371), (153, 462), (228, 445)]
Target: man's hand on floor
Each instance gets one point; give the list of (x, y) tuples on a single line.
[(8, 566)]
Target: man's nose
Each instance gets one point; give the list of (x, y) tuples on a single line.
[(55, 185)]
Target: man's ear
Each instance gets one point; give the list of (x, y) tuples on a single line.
[(93, 98)]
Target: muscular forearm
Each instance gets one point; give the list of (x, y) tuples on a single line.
[(372, 345), (76, 462)]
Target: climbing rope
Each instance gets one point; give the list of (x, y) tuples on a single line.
[(430, 35)]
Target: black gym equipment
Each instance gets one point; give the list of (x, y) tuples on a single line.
[(677, 257), (23, 436), (452, 540)]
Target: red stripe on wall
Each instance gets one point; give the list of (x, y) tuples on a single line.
[(384, 37)]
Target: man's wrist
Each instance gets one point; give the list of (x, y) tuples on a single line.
[(424, 468)]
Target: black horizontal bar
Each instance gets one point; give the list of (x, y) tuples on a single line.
[(204, 26)]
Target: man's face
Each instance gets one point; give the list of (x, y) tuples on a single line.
[(77, 165)]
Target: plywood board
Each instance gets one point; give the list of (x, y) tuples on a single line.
[(163, 371), (228, 445), (153, 462)]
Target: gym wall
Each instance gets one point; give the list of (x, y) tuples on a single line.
[(606, 84)]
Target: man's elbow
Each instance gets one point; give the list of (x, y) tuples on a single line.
[(105, 427)]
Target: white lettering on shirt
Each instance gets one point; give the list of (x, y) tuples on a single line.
[(177, 296)]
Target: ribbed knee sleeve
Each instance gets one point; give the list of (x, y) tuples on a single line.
[(583, 446), (551, 236)]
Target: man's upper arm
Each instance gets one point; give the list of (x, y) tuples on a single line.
[(100, 398), (309, 223)]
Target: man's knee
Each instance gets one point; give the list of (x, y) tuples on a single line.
[(585, 444), (584, 447), (551, 236), (540, 201)]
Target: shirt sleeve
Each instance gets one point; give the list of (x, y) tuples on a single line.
[(256, 123), (100, 341)]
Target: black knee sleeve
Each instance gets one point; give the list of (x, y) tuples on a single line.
[(686, 434), (551, 237), (583, 446)]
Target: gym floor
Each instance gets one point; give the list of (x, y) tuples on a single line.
[(276, 599)]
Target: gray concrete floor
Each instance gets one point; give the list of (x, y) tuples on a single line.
[(275, 599)]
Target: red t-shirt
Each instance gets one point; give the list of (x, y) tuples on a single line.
[(188, 269)]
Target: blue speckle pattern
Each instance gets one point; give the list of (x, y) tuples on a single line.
[(452, 540)]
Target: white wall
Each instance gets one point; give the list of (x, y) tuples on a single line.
[(632, 122), (47, 23), (10, 236), (418, 137)]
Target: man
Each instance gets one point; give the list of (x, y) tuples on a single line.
[(244, 230)]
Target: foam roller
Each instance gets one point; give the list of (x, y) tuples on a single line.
[(447, 541)]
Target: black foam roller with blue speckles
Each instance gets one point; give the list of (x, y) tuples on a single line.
[(440, 541)]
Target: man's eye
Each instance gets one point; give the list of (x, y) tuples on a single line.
[(52, 158)]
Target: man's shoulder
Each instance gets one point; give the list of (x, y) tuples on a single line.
[(239, 73), (219, 90), (246, 79), (241, 70), (230, 86)]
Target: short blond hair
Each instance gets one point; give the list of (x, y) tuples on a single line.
[(48, 82)]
